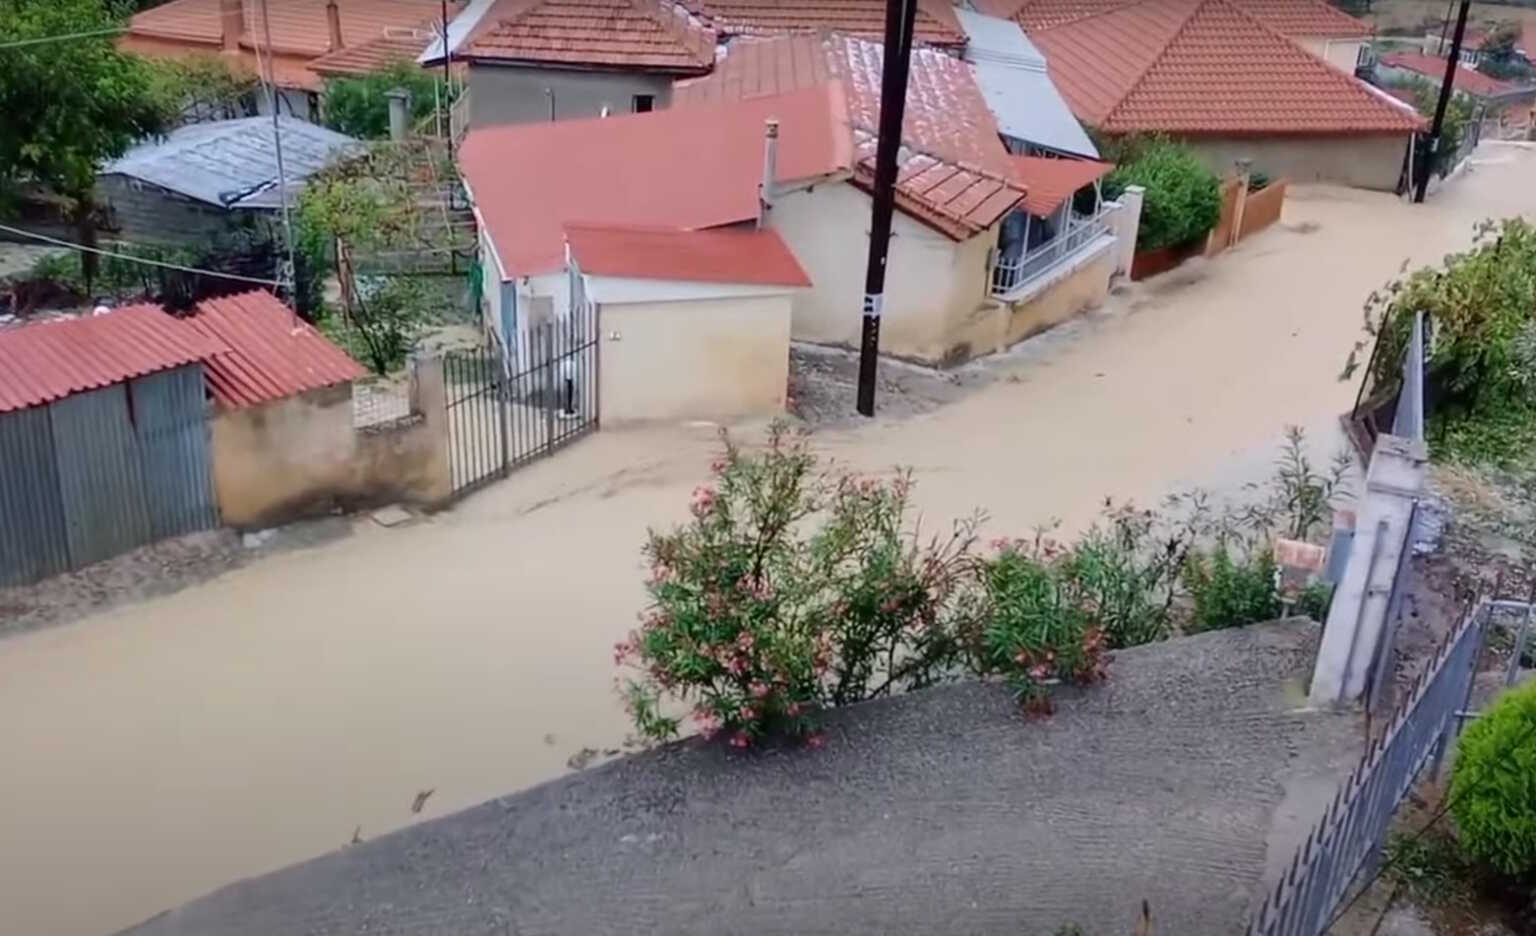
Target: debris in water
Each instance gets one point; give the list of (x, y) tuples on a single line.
[(357, 836), (421, 799)]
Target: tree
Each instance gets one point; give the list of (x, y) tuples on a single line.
[(201, 87), (1499, 58), (360, 107), (69, 105)]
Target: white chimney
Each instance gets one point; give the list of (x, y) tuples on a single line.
[(399, 113), (770, 170)]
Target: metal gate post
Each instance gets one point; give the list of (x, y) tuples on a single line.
[(549, 387), (504, 399)]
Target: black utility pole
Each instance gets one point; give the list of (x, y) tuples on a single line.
[(1451, 64), (900, 19)]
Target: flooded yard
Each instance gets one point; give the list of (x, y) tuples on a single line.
[(160, 749)]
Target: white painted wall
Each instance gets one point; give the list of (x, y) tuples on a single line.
[(1343, 54), (935, 288), (720, 358)]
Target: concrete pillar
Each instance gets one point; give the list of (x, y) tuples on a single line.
[(399, 113), (1244, 173), (429, 399), (1357, 619), (1126, 226)]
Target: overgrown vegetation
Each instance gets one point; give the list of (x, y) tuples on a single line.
[(1493, 786), (1482, 360), (1183, 198), (201, 87), (360, 106), (1429, 867), (1499, 59), (1459, 115), (794, 589)]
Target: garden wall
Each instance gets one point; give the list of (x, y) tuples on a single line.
[(1263, 208), (301, 456)]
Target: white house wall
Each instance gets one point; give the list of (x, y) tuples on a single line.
[(614, 289), (1343, 54)]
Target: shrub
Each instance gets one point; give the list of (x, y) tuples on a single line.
[(1493, 786), (1123, 573), (1183, 198), (359, 106), (1037, 634), (1228, 591), (757, 623), (1429, 868)]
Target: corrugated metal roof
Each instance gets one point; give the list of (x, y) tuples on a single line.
[(47, 361), (720, 255), (231, 163), (1012, 75), (268, 352)]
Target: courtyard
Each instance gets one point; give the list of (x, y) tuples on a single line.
[(162, 748)]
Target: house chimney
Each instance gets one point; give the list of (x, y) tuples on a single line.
[(333, 20), (399, 113), (231, 24), (770, 170)]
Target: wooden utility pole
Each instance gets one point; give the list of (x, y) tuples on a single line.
[(900, 21), (1452, 63)]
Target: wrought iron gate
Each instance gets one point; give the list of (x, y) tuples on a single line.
[(508, 406)]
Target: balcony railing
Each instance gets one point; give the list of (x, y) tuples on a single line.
[(1012, 274)]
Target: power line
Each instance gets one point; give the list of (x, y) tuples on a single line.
[(132, 259), (63, 38)]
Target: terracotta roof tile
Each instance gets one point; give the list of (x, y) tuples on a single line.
[(644, 169), (271, 353), (935, 23), (396, 45), (1205, 67), (950, 137), (46, 361), (1052, 181), (1433, 68), (1294, 18), (720, 255), (649, 34), (299, 27)]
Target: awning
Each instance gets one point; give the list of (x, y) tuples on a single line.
[(1049, 182)]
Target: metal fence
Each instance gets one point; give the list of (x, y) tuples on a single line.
[(1353, 828), (98, 473), (1012, 274), (508, 406), (1381, 404)]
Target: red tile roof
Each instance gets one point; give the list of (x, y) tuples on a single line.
[(1205, 67), (935, 23), (1052, 181), (1433, 68), (271, 353), (689, 168), (955, 173), (646, 34), (396, 45), (719, 255), (46, 361), (1294, 18)]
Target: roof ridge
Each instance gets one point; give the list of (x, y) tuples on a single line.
[(1195, 6)]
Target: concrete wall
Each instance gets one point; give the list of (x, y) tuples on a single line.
[(1076, 288), (722, 358), (1364, 161), (935, 294), (301, 456), (144, 212), (500, 94), (1343, 54)]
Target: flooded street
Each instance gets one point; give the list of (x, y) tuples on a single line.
[(156, 751)]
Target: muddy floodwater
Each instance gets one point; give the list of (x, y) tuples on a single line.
[(155, 751)]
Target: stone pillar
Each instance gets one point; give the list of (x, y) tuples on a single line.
[(1357, 619), (399, 113), (1126, 226), (429, 399)]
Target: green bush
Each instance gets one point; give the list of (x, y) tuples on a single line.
[(1230, 591), (1183, 198), (359, 106), (1493, 786)]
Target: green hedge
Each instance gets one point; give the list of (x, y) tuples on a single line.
[(1493, 788), (1183, 198)]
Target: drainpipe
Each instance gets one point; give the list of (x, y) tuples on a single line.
[(399, 110), (550, 93), (231, 24), (333, 22), (770, 171)]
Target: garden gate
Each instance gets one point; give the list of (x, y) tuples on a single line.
[(509, 405)]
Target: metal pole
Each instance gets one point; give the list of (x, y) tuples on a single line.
[(900, 20), (277, 148), (1451, 64), (447, 84), (1525, 629)]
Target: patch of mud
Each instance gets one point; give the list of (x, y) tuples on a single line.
[(823, 386)]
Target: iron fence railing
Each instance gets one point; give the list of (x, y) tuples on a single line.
[(1353, 828), (1012, 274)]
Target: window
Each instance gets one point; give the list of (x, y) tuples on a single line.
[(643, 103)]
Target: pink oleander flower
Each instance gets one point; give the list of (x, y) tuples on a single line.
[(741, 740), (745, 641), (708, 723), (718, 466), (1039, 672), (760, 690), (737, 666), (793, 710), (747, 713), (703, 500), (816, 741)]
